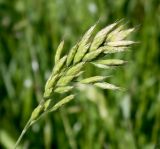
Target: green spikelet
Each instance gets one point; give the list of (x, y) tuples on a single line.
[(59, 51)]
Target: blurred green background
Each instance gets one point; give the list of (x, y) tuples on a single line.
[(30, 32)]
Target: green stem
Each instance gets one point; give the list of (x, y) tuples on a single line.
[(22, 133)]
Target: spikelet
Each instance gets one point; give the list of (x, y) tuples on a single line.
[(59, 51), (93, 79), (101, 36)]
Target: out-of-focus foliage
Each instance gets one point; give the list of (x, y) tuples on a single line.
[(30, 31)]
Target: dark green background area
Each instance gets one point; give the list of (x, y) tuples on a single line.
[(30, 31)]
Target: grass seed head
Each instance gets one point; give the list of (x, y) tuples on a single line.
[(90, 49)]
